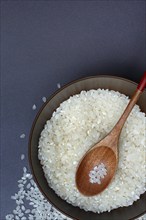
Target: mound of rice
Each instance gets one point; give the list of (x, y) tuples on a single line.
[(79, 123)]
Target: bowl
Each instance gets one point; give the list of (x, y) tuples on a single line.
[(122, 85)]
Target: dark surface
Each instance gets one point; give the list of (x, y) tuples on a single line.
[(46, 42), (123, 86)]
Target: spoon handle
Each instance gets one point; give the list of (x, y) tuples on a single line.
[(142, 83), (118, 127)]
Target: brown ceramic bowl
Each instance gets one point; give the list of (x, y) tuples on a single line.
[(107, 82)]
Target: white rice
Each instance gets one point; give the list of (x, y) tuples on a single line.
[(58, 85), (31, 204), (97, 174), (44, 99), (75, 126), (34, 107), (22, 136), (22, 156)]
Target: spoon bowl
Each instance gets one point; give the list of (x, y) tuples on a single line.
[(98, 155)]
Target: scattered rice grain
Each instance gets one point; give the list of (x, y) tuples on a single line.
[(22, 136), (58, 85), (44, 99), (34, 107)]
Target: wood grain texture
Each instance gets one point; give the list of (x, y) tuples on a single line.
[(95, 156)]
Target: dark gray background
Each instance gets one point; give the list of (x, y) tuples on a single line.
[(46, 42)]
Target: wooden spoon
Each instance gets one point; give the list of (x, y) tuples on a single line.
[(104, 152)]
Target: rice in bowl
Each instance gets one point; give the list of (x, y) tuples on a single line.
[(79, 123)]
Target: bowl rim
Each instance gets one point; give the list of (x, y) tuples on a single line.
[(34, 124)]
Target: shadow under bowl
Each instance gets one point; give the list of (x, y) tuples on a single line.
[(122, 85)]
